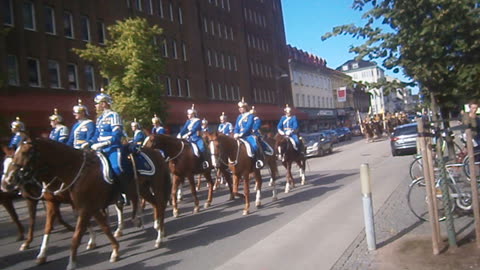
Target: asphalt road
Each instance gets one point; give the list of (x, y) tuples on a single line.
[(308, 228)]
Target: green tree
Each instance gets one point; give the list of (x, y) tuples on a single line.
[(132, 63), (435, 42)]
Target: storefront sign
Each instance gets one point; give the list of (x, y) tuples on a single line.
[(342, 94)]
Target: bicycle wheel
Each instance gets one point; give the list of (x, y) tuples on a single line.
[(418, 204), (416, 168), (466, 165)]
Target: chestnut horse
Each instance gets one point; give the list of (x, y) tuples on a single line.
[(231, 152), (288, 155), (80, 176), (31, 190), (183, 163)]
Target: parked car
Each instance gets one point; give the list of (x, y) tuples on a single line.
[(404, 139), (331, 135), (344, 134), (356, 130), (317, 144)]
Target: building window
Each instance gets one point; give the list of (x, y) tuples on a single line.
[(212, 90), (164, 48), (174, 45), (33, 67), (170, 11), (223, 60), (297, 99), (160, 8), (184, 52), (12, 69), (54, 74), (219, 91), (355, 65), (217, 63), (219, 28), (187, 88), (68, 24), (168, 86), (227, 96), (231, 33), (228, 5), (209, 58), (90, 77), (149, 7), (232, 90), (180, 15), (50, 20), (101, 32), (72, 76), (29, 16), (235, 63), (229, 62), (205, 25), (179, 87), (85, 28), (7, 7), (138, 4), (212, 27), (238, 92)]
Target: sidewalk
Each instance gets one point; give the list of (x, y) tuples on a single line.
[(402, 239)]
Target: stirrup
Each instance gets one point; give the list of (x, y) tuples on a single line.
[(259, 164), (205, 164)]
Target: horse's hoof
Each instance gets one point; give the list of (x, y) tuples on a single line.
[(206, 205), (91, 246), (118, 233), (274, 198), (197, 189), (71, 266), (258, 204), (175, 213), (245, 212), (157, 245), (41, 260), (114, 259), (196, 209), (24, 246), (232, 197)]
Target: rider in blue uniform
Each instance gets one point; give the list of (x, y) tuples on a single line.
[(205, 125), (138, 136), (157, 125), (225, 127), (191, 132), (108, 134), (257, 123), (84, 130), (19, 135), (59, 132), (288, 126), (243, 130)]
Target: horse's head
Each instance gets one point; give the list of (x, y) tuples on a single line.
[(281, 144), (20, 166), (214, 146)]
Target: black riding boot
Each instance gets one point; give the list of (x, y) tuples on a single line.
[(259, 158), (205, 162)]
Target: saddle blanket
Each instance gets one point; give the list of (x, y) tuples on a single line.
[(247, 146), (143, 163)]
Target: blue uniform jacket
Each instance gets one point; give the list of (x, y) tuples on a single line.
[(243, 127), (138, 138), (59, 134), (191, 131), (158, 130), (289, 126), (225, 128), (16, 140), (82, 133), (257, 123), (109, 129)]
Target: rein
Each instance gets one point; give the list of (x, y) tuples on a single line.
[(62, 189), (179, 153), (235, 162)]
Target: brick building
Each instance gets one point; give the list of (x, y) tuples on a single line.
[(216, 52)]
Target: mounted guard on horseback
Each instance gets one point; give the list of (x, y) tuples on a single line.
[(257, 123), (59, 132), (19, 135), (157, 125), (83, 131), (225, 127), (288, 127), (243, 132), (191, 132)]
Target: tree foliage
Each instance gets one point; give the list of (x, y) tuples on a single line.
[(435, 42), (132, 63)]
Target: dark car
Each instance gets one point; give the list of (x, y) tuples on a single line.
[(404, 139), (344, 134), (317, 144), (331, 135)]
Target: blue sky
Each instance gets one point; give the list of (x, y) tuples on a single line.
[(306, 21)]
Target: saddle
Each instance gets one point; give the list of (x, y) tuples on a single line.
[(143, 164)]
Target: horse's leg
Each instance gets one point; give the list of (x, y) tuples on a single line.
[(134, 197), (159, 206), (289, 177), (273, 176), (83, 220), (236, 184), (176, 181), (60, 218), (32, 212), (258, 188), (50, 218), (191, 180), (119, 230), (301, 164), (246, 192), (208, 177), (91, 242), (8, 204), (228, 179), (199, 182)]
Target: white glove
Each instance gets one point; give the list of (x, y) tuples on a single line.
[(179, 136), (185, 136), (236, 136), (85, 145), (288, 132), (97, 146)]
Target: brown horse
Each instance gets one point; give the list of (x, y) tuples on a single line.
[(31, 190), (80, 176), (183, 163), (227, 151), (288, 155)]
